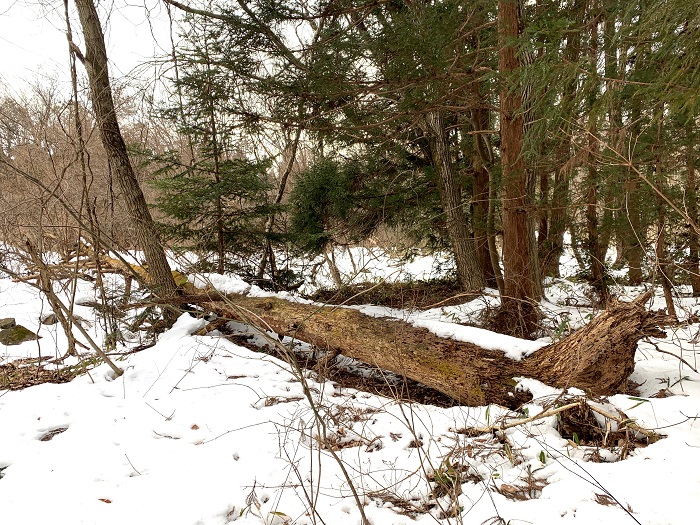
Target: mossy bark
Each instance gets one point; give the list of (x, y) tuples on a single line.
[(598, 358)]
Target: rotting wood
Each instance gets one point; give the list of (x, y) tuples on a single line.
[(598, 358)]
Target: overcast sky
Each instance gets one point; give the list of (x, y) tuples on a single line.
[(33, 42)]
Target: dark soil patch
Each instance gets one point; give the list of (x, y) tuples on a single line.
[(582, 429), (407, 295), (512, 318)]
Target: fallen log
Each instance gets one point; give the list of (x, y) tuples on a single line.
[(597, 358)]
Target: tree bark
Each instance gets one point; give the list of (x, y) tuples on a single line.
[(635, 250), (479, 220), (663, 266), (543, 226), (632, 231), (278, 200), (216, 152), (469, 273), (480, 207), (484, 161), (553, 246), (691, 194), (594, 249), (517, 304), (329, 256), (615, 60), (95, 61), (598, 358)]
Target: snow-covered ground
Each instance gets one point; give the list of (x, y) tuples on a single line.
[(200, 431)]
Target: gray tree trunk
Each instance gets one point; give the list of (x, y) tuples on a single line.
[(469, 273), (95, 61)]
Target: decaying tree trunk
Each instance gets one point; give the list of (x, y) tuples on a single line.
[(597, 358), (600, 356)]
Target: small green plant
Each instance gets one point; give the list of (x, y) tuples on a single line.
[(639, 400), (563, 328), (509, 453), (447, 480), (452, 317)]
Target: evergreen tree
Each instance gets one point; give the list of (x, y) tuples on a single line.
[(339, 202), (206, 212), (213, 196)]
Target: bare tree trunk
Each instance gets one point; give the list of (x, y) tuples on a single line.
[(95, 60), (479, 215), (614, 68), (216, 151), (593, 244), (517, 304), (545, 208), (532, 215), (212, 141), (333, 267), (484, 160), (691, 194), (533, 135), (278, 199), (491, 232), (662, 262), (553, 245), (480, 199), (85, 197), (631, 226), (635, 252), (44, 283), (663, 266), (469, 273)]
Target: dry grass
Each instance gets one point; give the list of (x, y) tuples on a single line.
[(29, 372)]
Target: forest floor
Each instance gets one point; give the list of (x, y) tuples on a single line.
[(207, 430)]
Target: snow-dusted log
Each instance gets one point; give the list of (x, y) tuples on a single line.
[(598, 358)]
